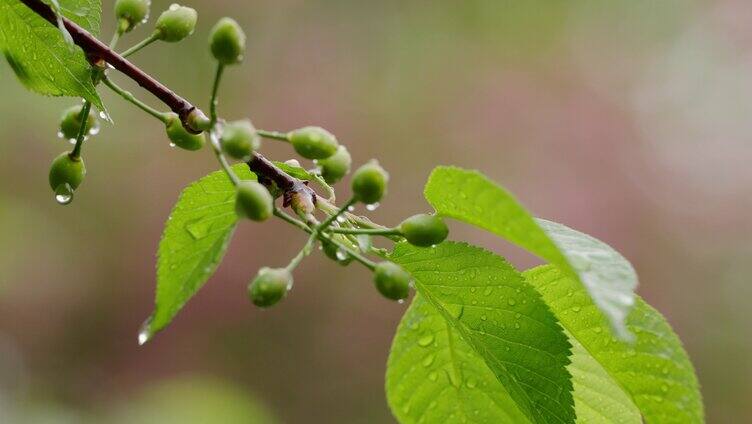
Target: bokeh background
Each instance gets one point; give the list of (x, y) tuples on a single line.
[(626, 119)]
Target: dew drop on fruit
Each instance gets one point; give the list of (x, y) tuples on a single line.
[(341, 254), (64, 194), (341, 219), (60, 134), (94, 130), (350, 208), (172, 144), (372, 206), (102, 115)]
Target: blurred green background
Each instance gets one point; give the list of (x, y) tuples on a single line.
[(626, 119)]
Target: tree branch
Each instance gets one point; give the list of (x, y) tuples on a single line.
[(96, 51)]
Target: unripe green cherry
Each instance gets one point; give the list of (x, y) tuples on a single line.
[(70, 122), (66, 170), (391, 280), (253, 201), (424, 230), (175, 23), (227, 42), (132, 12), (313, 142), (336, 166), (179, 136), (239, 139), (333, 252), (270, 286), (369, 182)]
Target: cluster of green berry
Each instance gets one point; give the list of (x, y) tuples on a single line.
[(344, 237)]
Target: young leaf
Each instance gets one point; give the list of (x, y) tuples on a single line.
[(654, 371), (502, 318), (427, 350), (471, 197), (193, 243), (37, 52), (294, 171)]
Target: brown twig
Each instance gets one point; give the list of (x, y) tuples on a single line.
[(96, 51)]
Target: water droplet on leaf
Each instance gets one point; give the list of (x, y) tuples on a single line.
[(425, 340)]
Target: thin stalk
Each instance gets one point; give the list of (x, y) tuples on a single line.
[(358, 220), (275, 135), (323, 236), (143, 43), (127, 95), (369, 231), (305, 251), (323, 226), (84, 118), (214, 142), (115, 38), (215, 91)]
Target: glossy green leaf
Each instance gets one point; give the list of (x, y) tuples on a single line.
[(193, 243), (294, 171), (434, 376), (427, 352), (654, 370), (502, 318), (39, 55), (471, 197)]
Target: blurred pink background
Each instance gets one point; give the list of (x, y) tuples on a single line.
[(628, 120)]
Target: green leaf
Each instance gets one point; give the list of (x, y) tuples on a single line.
[(294, 171), (502, 318), (471, 197), (39, 55), (654, 370), (427, 351), (193, 243)]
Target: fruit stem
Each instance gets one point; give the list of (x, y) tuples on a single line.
[(215, 89), (274, 135), (127, 95), (140, 45), (323, 236), (369, 231), (214, 142), (84, 119)]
